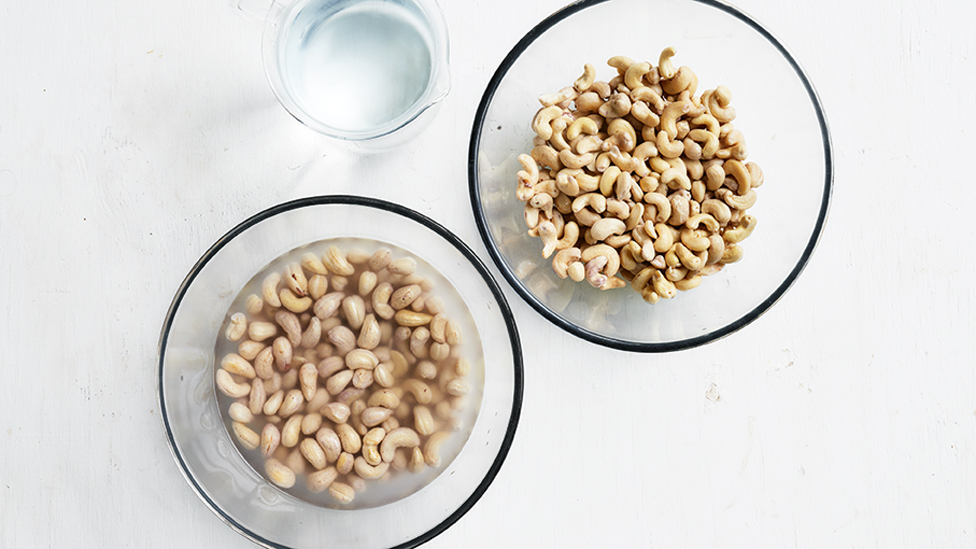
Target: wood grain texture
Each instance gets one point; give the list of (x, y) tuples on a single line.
[(133, 135)]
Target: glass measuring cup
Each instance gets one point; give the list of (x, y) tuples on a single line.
[(372, 72)]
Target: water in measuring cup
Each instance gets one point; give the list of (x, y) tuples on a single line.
[(357, 66)]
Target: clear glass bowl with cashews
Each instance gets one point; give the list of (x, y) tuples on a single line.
[(382, 405), (638, 180), (343, 377), (622, 203)]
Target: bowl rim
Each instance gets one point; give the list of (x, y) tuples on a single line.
[(579, 331), (438, 229)]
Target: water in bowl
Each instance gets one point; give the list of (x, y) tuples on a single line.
[(357, 66)]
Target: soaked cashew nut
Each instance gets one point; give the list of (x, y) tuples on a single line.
[(432, 448), (279, 473), (269, 290), (230, 387), (401, 437), (367, 471)]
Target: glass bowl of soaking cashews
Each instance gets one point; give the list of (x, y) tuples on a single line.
[(657, 185), (324, 369)]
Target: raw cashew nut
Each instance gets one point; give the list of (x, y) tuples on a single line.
[(668, 148), (613, 258), (718, 209), (563, 259), (683, 80), (562, 96), (741, 231), (718, 105), (662, 286), (606, 227), (669, 117), (595, 201), (741, 174), (584, 82), (574, 161), (543, 120), (664, 66), (695, 239), (635, 74), (716, 249), (738, 202), (618, 106), (528, 178), (584, 125)]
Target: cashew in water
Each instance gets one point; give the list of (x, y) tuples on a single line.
[(432, 448), (313, 453), (235, 364), (367, 471), (230, 387), (269, 290), (308, 377), (411, 319), (342, 492), (335, 261), (319, 481), (291, 403), (350, 439), (401, 437), (279, 473)]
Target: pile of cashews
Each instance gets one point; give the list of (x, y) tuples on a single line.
[(347, 367), (638, 179)]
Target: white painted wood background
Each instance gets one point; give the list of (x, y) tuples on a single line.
[(134, 134)]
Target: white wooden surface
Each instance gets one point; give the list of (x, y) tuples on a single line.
[(134, 134)]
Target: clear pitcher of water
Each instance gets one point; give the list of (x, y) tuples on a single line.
[(371, 72)]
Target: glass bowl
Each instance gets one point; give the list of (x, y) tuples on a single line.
[(778, 112), (203, 446)]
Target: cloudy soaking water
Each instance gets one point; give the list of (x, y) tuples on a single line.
[(357, 66)]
